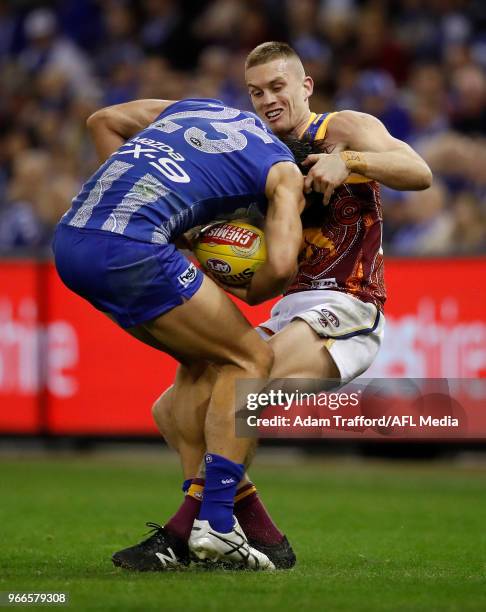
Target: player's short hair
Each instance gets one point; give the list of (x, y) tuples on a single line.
[(269, 51)]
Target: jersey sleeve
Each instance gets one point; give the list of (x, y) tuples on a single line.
[(282, 154)]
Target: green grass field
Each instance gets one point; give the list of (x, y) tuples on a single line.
[(368, 535)]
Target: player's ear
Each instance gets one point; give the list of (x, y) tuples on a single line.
[(308, 87)]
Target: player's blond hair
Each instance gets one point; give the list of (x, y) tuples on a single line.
[(269, 51)]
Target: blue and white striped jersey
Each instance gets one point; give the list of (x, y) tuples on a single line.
[(199, 159)]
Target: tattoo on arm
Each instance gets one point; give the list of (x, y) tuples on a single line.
[(355, 161), (323, 148)]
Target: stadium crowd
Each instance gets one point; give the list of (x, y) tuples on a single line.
[(418, 65)]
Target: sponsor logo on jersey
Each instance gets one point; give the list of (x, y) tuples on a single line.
[(188, 275), (324, 283), (218, 265), (227, 481)]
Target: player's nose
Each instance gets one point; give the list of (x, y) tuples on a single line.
[(269, 98)]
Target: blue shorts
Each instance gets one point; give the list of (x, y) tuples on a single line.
[(132, 281)]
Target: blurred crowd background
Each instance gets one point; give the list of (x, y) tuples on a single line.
[(418, 65)]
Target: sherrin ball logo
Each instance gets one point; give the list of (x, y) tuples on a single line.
[(232, 251), (218, 265)]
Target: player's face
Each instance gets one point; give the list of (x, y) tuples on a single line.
[(280, 92)]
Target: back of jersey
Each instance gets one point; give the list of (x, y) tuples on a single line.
[(199, 159)]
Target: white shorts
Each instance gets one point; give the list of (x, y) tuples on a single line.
[(353, 329)]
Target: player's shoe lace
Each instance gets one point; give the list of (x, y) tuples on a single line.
[(156, 532), (208, 544)]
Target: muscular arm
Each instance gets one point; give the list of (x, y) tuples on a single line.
[(283, 233), (110, 127), (364, 146)]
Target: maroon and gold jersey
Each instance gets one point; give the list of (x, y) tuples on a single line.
[(341, 248)]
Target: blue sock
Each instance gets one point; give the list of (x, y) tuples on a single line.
[(222, 478)]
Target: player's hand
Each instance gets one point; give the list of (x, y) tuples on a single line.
[(328, 171), (192, 236), (189, 239)]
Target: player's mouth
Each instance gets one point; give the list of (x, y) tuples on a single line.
[(274, 114)]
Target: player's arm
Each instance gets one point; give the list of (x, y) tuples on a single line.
[(110, 127), (369, 150), (283, 235)]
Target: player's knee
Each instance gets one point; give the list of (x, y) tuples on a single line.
[(156, 409), (161, 413)]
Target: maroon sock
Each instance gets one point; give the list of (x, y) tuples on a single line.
[(254, 518), (181, 523)]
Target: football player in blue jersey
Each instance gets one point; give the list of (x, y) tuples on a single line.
[(303, 346), (167, 167)]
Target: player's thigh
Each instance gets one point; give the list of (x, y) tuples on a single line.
[(209, 327), (300, 353)]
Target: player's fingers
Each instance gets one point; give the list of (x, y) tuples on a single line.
[(308, 182), (328, 194), (192, 237), (320, 184), (310, 160)]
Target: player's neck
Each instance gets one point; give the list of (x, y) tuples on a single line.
[(301, 125)]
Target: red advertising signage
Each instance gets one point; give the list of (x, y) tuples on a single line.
[(20, 334), (436, 320), (66, 369)]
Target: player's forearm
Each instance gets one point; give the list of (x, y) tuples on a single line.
[(398, 169), (265, 285), (106, 140), (283, 233), (283, 238), (112, 126)]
